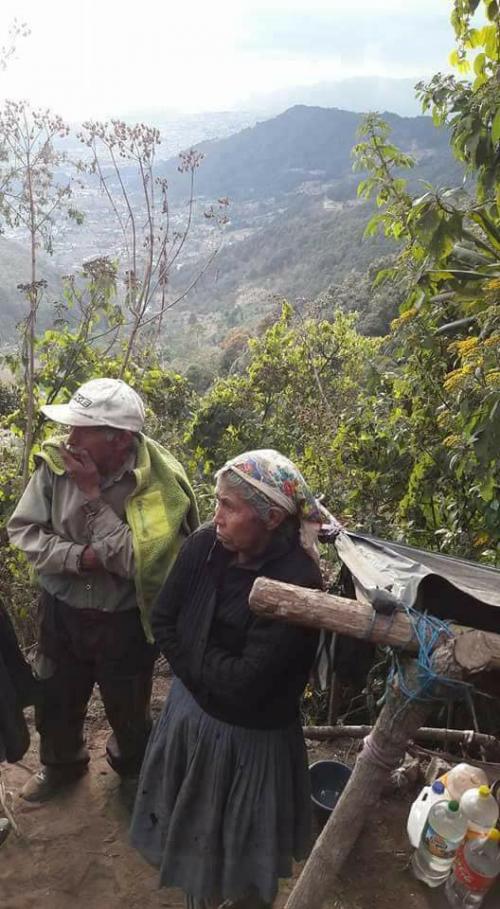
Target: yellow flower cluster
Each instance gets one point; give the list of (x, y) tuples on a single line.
[(494, 341), (467, 345), (403, 318), (481, 539), (471, 352), (455, 377), (492, 377), (451, 441)]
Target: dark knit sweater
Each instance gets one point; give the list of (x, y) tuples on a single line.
[(241, 669)]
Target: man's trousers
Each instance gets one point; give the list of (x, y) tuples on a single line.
[(87, 646)]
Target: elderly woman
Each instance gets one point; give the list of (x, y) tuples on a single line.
[(223, 803)]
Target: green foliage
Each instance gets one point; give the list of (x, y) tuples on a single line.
[(452, 389), (81, 346), (472, 109), (17, 593), (9, 399), (304, 382), (391, 431), (375, 306), (379, 157), (446, 341)]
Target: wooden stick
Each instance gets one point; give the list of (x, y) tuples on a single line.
[(424, 735), (475, 650), (491, 768), (397, 723)]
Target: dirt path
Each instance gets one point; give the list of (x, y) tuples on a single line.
[(74, 852)]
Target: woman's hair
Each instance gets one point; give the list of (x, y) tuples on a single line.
[(256, 499)]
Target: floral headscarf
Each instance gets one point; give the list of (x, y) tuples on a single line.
[(282, 483)]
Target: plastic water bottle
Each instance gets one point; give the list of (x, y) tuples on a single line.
[(462, 777), (475, 869), (480, 808), (443, 833), (419, 811)]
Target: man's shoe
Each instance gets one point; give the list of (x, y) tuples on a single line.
[(45, 784)]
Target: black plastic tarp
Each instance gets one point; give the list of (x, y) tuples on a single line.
[(456, 589)]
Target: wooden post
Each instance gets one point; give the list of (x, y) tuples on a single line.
[(398, 722), (384, 750)]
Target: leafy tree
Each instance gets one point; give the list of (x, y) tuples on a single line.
[(447, 339), (303, 379), (471, 109)]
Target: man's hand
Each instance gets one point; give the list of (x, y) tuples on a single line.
[(82, 469), (89, 560)]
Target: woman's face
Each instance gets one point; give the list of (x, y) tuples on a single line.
[(238, 527)]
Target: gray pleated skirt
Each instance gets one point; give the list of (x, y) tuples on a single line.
[(221, 809)]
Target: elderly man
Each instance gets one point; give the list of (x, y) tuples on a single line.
[(101, 521)]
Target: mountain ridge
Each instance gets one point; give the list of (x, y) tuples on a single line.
[(277, 154), (355, 93)]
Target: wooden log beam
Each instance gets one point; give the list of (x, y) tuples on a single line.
[(425, 735), (475, 650)]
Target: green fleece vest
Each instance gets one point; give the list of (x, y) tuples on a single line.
[(161, 512)]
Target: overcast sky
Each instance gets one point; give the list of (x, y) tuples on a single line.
[(108, 57)]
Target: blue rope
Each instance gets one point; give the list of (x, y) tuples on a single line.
[(427, 630)]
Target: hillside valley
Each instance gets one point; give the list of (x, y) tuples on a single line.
[(295, 226)]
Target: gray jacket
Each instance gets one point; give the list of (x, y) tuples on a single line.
[(53, 523)]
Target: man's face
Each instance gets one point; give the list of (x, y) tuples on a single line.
[(98, 441)]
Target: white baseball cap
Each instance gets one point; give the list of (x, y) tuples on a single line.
[(100, 402)]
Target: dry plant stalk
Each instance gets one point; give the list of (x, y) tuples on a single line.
[(4, 803)]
